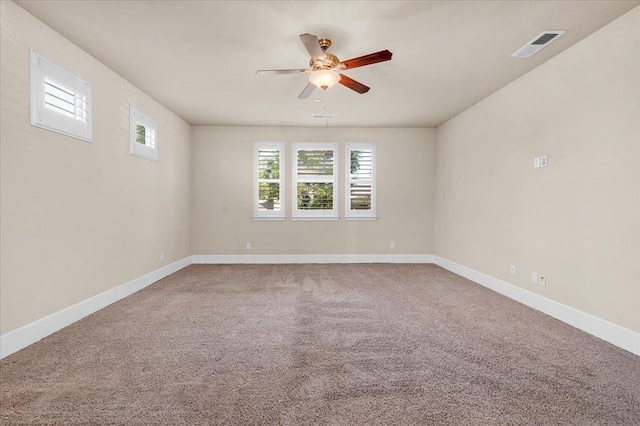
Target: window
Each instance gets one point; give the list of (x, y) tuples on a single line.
[(60, 100), (360, 187), (268, 181), (144, 135), (315, 181)]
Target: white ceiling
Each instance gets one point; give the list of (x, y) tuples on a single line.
[(198, 58)]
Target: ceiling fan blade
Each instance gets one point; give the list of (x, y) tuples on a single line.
[(313, 45), (373, 58), (280, 71), (353, 85), (307, 91)]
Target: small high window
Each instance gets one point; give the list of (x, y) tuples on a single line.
[(60, 100), (144, 135)]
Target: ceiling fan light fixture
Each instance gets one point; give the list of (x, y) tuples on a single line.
[(324, 78)]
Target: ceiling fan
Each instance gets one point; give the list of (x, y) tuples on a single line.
[(325, 66)]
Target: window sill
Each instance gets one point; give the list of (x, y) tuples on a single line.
[(361, 218), (269, 219), (145, 156), (315, 218)]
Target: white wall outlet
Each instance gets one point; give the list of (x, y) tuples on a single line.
[(248, 246), (544, 161), (392, 246), (536, 162), (534, 277), (513, 270), (161, 255), (542, 280)]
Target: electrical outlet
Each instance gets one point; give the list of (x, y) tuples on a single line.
[(536, 162), (534, 277), (544, 161), (542, 280), (248, 246), (161, 255), (392, 246), (513, 270)]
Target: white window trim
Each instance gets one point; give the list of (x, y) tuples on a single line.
[(45, 118), (136, 149), (350, 214), (275, 214), (314, 215)]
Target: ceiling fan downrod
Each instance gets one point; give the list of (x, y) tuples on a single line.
[(325, 43)]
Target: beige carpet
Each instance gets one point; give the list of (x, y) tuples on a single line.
[(319, 344)]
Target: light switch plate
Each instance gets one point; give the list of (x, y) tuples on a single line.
[(536, 162), (544, 161)]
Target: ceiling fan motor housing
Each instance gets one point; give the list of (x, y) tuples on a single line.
[(328, 61)]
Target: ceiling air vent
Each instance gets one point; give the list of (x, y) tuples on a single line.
[(323, 116), (537, 43)]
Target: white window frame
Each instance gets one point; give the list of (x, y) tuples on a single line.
[(268, 214), (137, 149), (350, 214), (297, 214), (46, 117)]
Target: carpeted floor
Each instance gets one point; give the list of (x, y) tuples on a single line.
[(319, 344)]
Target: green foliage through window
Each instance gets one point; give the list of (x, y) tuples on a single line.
[(355, 161), (315, 196), (141, 134)]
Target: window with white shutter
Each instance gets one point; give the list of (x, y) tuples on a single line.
[(60, 100), (268, 181), (315, 181), (143, 135), (360, 185)]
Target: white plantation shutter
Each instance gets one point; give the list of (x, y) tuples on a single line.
[(64, 100), (315, 162), (268, 180), (315, 181), (60, 100), (360, 185)]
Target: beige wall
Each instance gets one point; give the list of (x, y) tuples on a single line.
[(578, 220), (222, 192), (80, 218)]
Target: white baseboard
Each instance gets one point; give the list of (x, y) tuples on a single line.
[(312, 258), (603, 329), (24, 336)]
